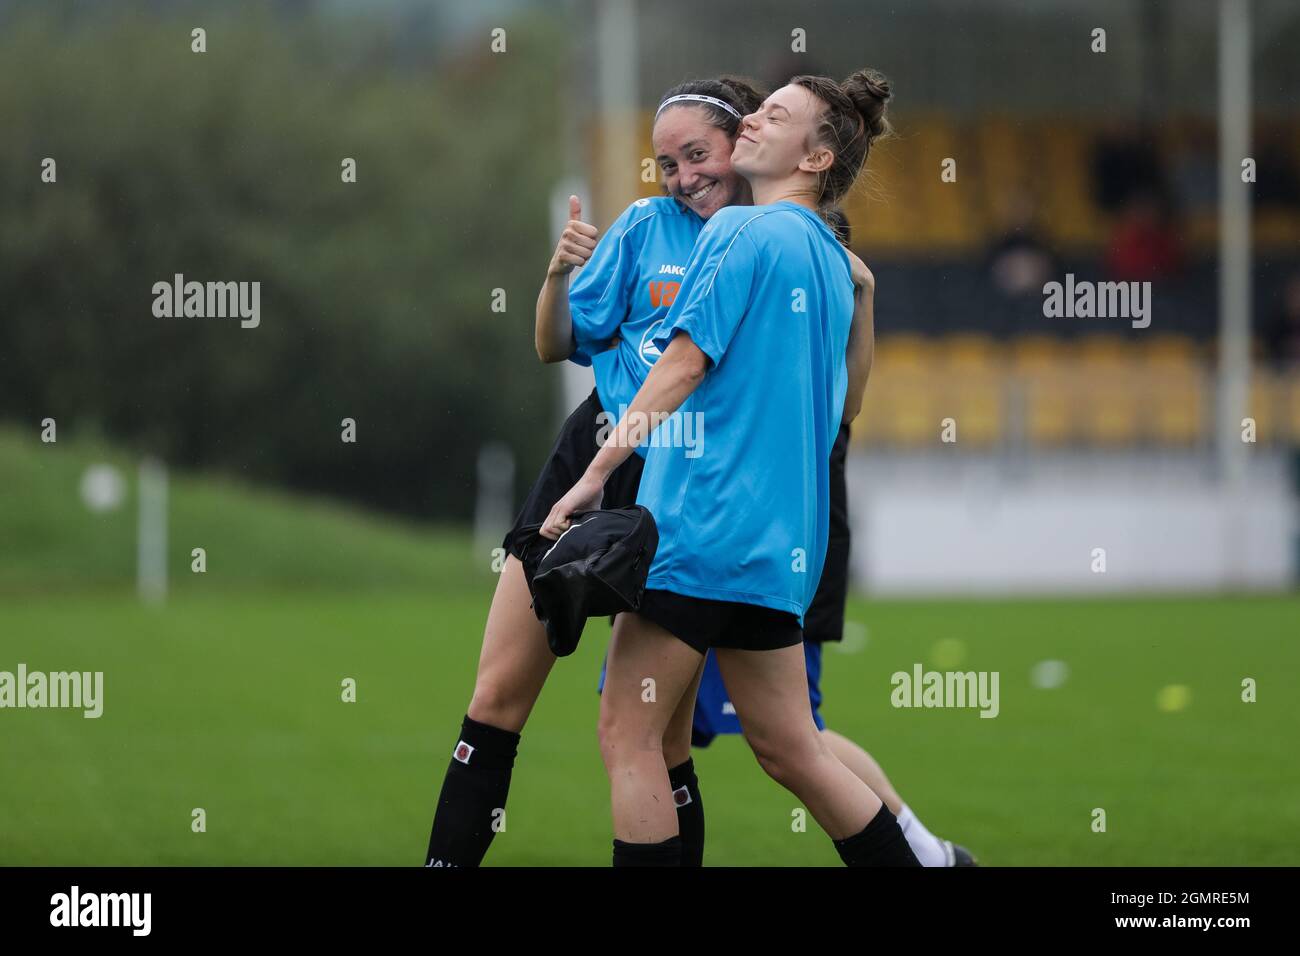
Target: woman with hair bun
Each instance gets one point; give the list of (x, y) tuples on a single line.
[(755, 342)]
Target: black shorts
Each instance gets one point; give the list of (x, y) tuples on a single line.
[(575, 447), (703, 623), (824, 619)]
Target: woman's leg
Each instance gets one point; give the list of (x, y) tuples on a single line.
[(681, 775), (864, 767), (929, 849), (770, 692), (513, 666), (677, 738), (647, 675), (515, 660)]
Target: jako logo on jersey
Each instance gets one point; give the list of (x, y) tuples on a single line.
[(681, 796), (462, 752), (649, 351), (672, 270)]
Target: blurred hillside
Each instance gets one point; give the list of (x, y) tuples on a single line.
[(255, 540)]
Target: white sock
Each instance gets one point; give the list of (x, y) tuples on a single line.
[(927, 847)]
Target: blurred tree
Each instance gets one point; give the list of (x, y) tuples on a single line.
[(226, 166)]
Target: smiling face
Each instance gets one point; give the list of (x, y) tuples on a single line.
[(695, 159), (778, 139)]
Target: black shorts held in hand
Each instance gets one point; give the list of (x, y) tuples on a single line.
[(574, 449)]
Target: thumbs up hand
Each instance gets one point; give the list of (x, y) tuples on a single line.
[(577, 242)]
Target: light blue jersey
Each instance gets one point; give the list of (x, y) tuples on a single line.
[(768, 297), (625, 290)]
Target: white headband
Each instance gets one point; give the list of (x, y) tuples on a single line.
[(697, 98)]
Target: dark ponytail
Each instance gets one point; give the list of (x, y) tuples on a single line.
[(834, 217)]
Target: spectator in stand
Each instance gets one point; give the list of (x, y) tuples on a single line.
[(1145, 243), (1281, 335), (1020, 261)]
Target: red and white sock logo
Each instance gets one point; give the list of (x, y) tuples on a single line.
[(462, 752), (681, 796)]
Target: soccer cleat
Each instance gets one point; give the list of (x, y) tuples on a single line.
[(958, 855)]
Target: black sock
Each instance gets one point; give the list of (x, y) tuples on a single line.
[(690, 811), (881, 843), (473, 795), (668, 853)]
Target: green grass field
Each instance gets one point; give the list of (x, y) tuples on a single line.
[(228, 698)]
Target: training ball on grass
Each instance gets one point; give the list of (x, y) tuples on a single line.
[(1173, 698), (948, 652), (1048, 675)]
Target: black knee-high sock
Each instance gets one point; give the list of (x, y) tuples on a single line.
[(667, 853), (881, 843), (690, 811), (473, 795)]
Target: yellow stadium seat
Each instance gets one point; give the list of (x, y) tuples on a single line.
[(869, 428), (1036, 353), (1006, 163), (1109, 413), (1174, 411), (1291, 406), (901, 350), (1109, 351), (881, 206), (969, 350), (1108, 401), (1067, 209), (945, 216), (1165, 351), (1048, 400), (913, 419), (1277, 228), (974, 400)]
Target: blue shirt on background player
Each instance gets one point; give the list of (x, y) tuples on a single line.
[(768, 297), (625, 290)]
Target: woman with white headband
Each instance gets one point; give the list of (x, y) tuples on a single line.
[(607, 318), (615, 303), (756, 343)]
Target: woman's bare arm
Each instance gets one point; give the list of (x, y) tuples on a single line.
[(862, 337), (669, 383), (553, 334)]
